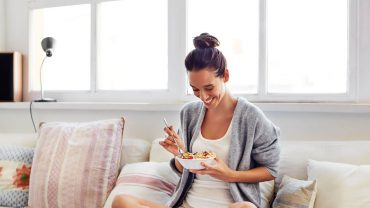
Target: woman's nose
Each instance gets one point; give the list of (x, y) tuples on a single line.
[(203, 95)]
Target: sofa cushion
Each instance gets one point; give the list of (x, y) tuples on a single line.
[(154, 181), (15, 168), (158, 153), (294, 193), (134, 150), (75, 164), (340, 185)]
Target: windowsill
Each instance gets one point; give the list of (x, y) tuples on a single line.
[(267, 107)]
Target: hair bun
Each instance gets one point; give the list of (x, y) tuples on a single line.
[(205, 40)]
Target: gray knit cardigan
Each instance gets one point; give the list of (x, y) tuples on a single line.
[(254, 143)]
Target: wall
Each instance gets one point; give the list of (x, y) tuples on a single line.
[(2, 25), (295, 125), (149, 124)]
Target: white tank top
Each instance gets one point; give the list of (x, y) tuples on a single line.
[(206, 190)]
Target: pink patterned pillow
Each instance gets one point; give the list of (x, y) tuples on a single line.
[(75, 164)]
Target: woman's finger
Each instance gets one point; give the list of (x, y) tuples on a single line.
[(201, 172), (207, 166), (169, 130), (169, 141)]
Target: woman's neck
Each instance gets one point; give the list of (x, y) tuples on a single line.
[(227, 104)]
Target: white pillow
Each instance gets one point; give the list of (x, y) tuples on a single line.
[(340, 185), (158, 153), (148, 180), (294, 193), (134, 150)]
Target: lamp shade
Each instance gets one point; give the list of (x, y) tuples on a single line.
[(48, 45)]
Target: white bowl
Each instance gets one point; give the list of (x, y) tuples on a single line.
[(195, 163)]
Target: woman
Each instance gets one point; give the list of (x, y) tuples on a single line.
[(244, 140)]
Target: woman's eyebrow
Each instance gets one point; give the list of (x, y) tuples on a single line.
[(208, 85)]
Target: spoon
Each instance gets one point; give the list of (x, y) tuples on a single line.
[(174, 139)]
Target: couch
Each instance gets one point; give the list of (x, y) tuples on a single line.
[(143, 158)]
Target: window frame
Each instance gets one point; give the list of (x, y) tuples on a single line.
[(177, 93)]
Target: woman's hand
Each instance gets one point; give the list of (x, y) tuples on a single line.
[(218, 170), (169, 144)]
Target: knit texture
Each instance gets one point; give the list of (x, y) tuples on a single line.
[(254, 143)]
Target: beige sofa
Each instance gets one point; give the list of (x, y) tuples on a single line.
[(138, 154)]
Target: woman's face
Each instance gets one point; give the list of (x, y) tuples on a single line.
[(206, 86)]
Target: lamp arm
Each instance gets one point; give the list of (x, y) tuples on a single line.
[(41, 78)]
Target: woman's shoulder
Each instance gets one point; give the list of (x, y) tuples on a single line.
[(244, 105)]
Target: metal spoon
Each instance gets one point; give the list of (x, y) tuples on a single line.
[(174, 139)]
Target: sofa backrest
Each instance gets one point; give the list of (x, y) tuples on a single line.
[(18, 139), (295, 154), (134, 149), (293, 158)]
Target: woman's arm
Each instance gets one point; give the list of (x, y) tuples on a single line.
[(258, 174), (221, 171)]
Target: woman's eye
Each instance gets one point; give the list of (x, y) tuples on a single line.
[(195, 90), (209, 89)]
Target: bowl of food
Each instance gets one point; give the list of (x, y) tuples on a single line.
[(193, 160)]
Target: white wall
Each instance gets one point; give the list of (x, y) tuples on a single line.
[(295, 125), (2, 25), (149, 124)]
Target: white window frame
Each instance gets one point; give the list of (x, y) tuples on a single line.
[(177, 93)]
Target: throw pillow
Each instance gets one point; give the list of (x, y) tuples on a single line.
[(75, 164), (294, 193), (154, 181), (267, 193), (340, 185), (15, 168)]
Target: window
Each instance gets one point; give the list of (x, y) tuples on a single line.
[(307, 46), (132, 45), (134, 50), (69, 67), (238, 41)]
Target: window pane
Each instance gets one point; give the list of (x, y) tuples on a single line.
[(132, 45), (236, 25), (69, 67), (307, 46)]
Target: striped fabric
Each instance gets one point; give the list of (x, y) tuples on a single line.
[(154, 181), (149, 181), (75, 164)]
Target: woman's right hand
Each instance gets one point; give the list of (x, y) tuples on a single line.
[(169, 144)]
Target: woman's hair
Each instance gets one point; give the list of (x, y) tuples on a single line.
[(206, 55)]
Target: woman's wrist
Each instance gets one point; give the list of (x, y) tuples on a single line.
[(232, 176)]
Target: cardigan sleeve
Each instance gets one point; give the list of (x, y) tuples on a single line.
[(266, 148)]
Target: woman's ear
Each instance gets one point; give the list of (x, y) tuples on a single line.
[(226, 75)]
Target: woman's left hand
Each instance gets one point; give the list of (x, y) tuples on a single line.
[(218, 170)]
